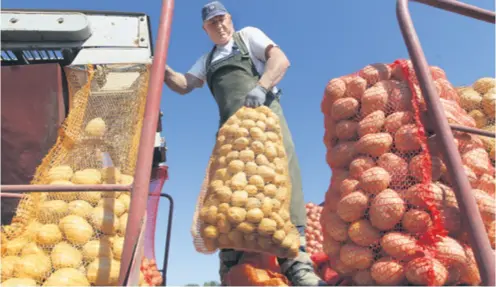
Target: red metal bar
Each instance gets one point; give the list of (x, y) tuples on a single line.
[(461, 8), (472, 131), (8, 194), (65, 188), (483, 252), (145, 153)]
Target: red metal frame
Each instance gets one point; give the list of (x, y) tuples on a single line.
[(483, 252), (145, 153)]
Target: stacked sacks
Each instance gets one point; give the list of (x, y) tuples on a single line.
[(389, 211), (479, 101), (313, 232)]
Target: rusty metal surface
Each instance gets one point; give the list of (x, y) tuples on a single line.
[(147, 142), (32, 110), (473, 222)]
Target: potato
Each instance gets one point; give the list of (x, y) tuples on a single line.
[(484, 85), (341, 268), (358, 257), (375, 180), (348, 186), (489, 104), (486, 204), (450, 253), (396, 166), (386, 210), (398, 245), (396, 120), (375, 73), (372, 123), (406, 138), (470, 274), (331, 247), (353, 206), (362, 233), (236, 215), (477, 160), (419, 271), (419, 161), (267, 226), (334, 226), (239, 198), (346, 130), (359, 165), (419, 195), (479, 117), (211, 232), (416, 221), (400, 96), (254, 215), (223, 224), (487, 184), (335, 89), (374, 144), (388, 272), (374, 99), (355, 87), (363, 278), (344, 108), (341, 155)]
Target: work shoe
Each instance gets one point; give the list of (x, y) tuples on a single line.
[(300, 271), (228, 259)]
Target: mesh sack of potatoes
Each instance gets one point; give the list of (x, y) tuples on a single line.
[(245, 197), (70, 238), (390, 216), (479, 101)]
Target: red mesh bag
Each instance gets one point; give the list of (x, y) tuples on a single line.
[(256, 269), (313, 232), (390, 216)]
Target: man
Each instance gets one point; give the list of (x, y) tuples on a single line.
[(243, 69)]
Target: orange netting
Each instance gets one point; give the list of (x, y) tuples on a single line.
[(256, 269), (390, 216), (76, 238)]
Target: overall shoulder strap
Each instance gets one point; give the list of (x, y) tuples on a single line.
[(209, 58), (240, 43)]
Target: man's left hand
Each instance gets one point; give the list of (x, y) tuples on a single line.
[(256, 97)]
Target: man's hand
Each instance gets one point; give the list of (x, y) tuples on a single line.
[(256, 97)]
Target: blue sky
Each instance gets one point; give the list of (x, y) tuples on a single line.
[(323, 39)]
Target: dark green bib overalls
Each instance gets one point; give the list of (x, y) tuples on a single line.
[(230, 79)]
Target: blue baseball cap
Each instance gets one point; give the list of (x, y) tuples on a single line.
[(212, 9)]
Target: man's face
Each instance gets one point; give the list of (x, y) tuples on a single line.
[(220, 29)]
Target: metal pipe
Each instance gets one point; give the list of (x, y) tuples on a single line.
[(461, 8), (167, 239), (147, 141), (65, 188), (11, 195), (480, 132), (483, 252)]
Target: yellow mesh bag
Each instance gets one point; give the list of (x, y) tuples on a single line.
[(76, 238), (245, 197)]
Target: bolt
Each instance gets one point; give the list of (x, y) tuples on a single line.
[(142, 39), (60, 20), (142, 19), (13, 20)]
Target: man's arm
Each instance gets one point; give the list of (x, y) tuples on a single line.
[(276, 66), (181, 83)]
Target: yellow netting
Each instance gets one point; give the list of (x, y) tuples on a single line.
[(76, 238), (245, 197)]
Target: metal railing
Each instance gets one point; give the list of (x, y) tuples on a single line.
[(473, 223)]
